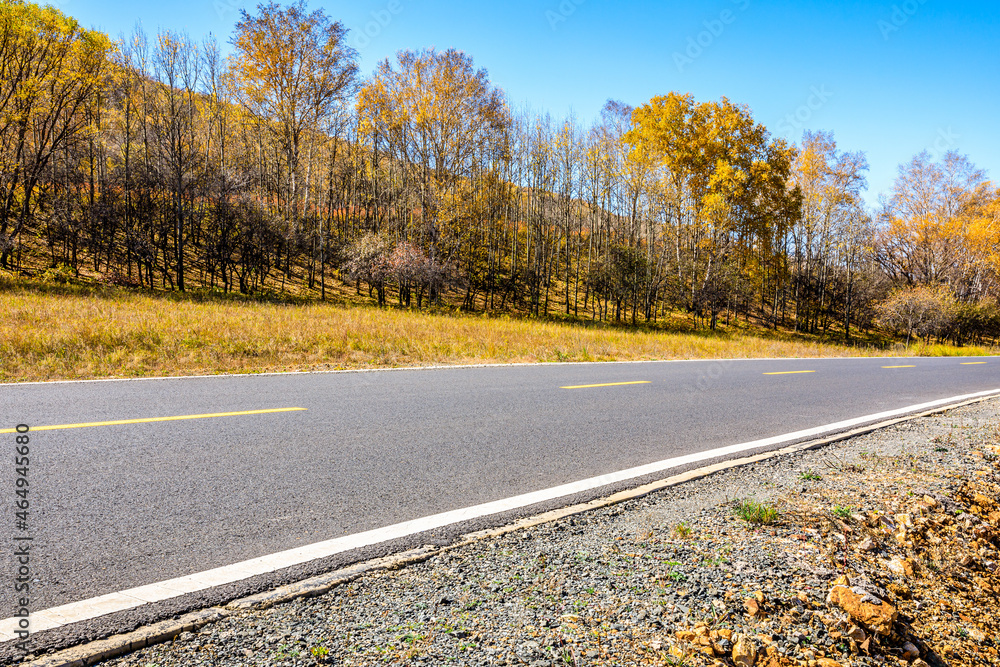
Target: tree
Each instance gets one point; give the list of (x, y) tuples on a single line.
[(830, 238), (939, 226), (435, 114), (292, 70), (921, 311), (51, 69), (369, 260), (727, 184)]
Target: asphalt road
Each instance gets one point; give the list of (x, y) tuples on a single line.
[(118, 506)]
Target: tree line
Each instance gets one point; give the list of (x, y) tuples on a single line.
[(158, 162)]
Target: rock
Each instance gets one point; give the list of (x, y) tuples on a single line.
[(868, 544), (864, 608), (827, 662), (901, 566), (910, 652), (967, 560), (857, 634), (919, 663), (744, 652)]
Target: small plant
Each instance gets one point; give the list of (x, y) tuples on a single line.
[(319, 652), (842, 511), (757, 513), (809, 476), (62, 274), (941, 450), (682, 530)]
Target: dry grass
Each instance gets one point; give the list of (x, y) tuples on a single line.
[(48, 336)]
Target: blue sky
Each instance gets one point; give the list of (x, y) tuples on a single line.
[(889, 78)]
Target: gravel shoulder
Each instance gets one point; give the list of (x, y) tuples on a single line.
[(882, 550)]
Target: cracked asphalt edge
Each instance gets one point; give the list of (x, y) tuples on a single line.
[(164, 631)]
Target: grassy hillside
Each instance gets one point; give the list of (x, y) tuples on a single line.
[(49, 333)]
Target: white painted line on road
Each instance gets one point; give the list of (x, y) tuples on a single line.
[(114, 602)]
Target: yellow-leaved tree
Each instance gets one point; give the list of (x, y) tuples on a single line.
[(727, 183), (51, 69)]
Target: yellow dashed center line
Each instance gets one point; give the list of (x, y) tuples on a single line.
[(899, 367), (152, 420), (975, 363), (790, 373), (610, 384)]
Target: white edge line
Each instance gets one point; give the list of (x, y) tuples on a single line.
[(551, 364), (171, 588)]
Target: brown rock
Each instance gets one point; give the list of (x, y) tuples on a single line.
[(901, 566), (752, 606), (910, 652), (827, 662), (744, 652), (857, 634), (862, 608), (983, 501)]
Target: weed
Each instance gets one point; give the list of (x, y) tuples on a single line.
[(682, 530), (755, 512), (809, 476), (842, 511), (319, 652)]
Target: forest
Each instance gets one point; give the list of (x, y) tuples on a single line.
[(153, 162)]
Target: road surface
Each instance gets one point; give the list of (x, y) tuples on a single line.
[(122, 505)]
